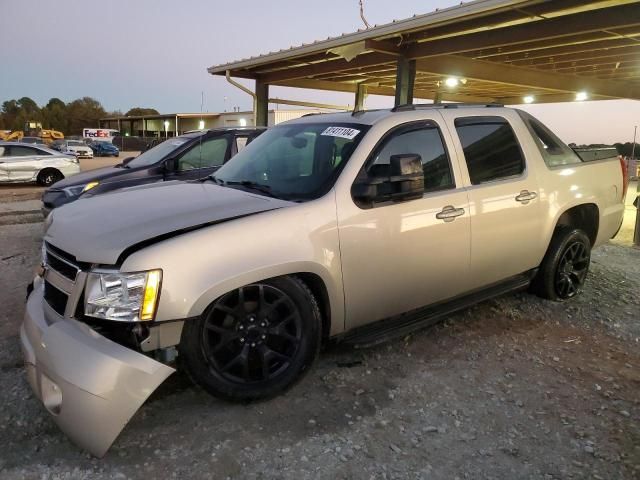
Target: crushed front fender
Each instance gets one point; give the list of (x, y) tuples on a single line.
[(89, 384)]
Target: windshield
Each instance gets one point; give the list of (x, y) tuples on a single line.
[(293, 162), (157, 153), (75, 143)]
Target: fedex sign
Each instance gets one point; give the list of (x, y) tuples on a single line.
[(104, 134)]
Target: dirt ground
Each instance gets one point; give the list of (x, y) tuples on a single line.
[(513, 388)]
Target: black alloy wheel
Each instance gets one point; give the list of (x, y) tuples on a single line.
[(255, 341), (252, 334), (564, 268), (572, 270)]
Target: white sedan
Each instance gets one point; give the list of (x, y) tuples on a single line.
[(30, 163)]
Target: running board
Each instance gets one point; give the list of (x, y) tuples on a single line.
[(401, 325)]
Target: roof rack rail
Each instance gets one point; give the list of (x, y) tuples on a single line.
[(411, 106)]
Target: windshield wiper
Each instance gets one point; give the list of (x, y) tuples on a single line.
[(258, 187)]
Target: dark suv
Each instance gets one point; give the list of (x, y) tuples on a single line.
[(190, 156)]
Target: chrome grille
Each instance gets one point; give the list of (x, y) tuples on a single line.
[(61, 271)]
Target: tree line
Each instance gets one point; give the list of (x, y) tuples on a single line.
[(69, 118)]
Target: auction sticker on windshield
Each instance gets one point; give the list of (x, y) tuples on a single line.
[(342, 132)]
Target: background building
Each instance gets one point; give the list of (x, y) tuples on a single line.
[(173, 124)]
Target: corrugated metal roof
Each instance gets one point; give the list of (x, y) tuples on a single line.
[(506, 49), (438, 16)]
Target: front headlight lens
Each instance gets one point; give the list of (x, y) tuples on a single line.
[(76, 190), (123, 297)]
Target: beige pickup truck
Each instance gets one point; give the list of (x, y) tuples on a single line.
[(356, 227)]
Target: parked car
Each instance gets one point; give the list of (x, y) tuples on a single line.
[(32, 140), (104, 149), (34, 163), (187, 157), (353, 227), (74, 147)]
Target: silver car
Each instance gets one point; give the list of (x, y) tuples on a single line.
[(21, 162)]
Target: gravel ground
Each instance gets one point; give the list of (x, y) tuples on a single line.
[(513, 388)]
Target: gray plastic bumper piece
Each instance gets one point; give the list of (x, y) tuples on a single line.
[(90, 385)]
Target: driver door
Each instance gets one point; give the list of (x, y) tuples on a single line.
[(401, 256), (203, 158)]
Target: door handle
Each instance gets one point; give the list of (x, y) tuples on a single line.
[(526, 196), (449, 213)]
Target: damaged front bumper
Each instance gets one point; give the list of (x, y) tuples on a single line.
[(92, 386)]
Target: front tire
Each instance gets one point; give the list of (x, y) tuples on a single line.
[(565, 266), (253, 342)]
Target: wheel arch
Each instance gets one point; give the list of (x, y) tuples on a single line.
[(585, 216), (328, 295)]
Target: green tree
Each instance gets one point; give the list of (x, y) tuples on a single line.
[(140, 111), (54, 115), (83, 113)]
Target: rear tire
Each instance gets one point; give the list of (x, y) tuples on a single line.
[(253, 342), (565, 265), (49, 176)]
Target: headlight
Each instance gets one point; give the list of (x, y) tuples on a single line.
[(79, 189), (123, 297)]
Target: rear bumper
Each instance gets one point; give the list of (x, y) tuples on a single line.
[(90, 385)]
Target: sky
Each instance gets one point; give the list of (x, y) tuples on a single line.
[(154, 53)]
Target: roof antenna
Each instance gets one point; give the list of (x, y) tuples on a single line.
[(366, 24)]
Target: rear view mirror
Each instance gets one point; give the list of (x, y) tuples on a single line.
[(403, 180), (299, 142)]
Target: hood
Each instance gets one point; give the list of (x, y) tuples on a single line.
[(99, 229), (90, 176)]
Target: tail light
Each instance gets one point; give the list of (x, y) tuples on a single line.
[(625, 177)]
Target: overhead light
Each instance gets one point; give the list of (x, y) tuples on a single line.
[(451, 82), (201, 125), (528, 99), (581, 96), (243, 122)]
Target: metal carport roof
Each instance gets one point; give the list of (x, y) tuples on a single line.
[(499, 50)]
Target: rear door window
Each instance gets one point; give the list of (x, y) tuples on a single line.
[(491, 149), (206, 154), (15, 151)]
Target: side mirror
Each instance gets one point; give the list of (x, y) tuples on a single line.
[(127, 160), (402, 181), (170, 165)]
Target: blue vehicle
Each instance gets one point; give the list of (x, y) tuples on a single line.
[(104, 149)]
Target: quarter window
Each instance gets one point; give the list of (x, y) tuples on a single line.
[(490, 147), (424, 141), (553, 150)]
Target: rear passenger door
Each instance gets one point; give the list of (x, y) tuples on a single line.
[(504, 209), (400, 256)]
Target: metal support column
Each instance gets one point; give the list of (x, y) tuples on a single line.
[(405, 78), (262, 104), (361, 95)]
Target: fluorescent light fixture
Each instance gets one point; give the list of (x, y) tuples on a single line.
[(243, 122), (581, 96), (201, 125), (451, 82), (529, 99)]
